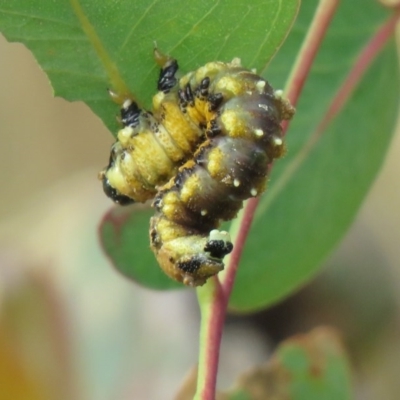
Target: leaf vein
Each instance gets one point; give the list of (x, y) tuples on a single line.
[(132, 30), (194, 27), (41, 18), (272, 27)]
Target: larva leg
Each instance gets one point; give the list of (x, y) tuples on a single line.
[(186, 97), (202, 91)]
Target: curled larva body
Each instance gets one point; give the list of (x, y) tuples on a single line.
[(228, 168), (202, 151)]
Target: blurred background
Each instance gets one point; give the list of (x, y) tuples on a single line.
[(71, 327)]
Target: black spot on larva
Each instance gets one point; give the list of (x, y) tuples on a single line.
[(154, 238), (215, 100), (189, 95), (204, 85), (181, 176), (182, 98), (202, 155), (157, 203), (190, 266), (218, 248), (214, 129)]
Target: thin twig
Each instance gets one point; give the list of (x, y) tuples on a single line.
[(213, 309)]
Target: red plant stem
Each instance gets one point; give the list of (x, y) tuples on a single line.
[(312, 42), (213, 316), (320, 23), (364, 60), (212, 327), (248, 215)]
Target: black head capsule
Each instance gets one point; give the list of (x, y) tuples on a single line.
[(167, 79), (130, 113), (113, 194)]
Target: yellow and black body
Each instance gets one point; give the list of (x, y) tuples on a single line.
[(202, 151)]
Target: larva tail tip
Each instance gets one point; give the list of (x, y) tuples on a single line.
[(160, 58)]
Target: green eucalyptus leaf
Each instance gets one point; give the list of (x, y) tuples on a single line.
[(124, 233), (316, 365), (313, 366)]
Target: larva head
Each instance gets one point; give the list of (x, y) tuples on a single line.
[(114, 195), (112, 179), (188, 258), (196, 268)]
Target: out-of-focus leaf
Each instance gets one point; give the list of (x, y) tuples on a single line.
[(35, 362), (305, 367), (16, 381), (312, 366)]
